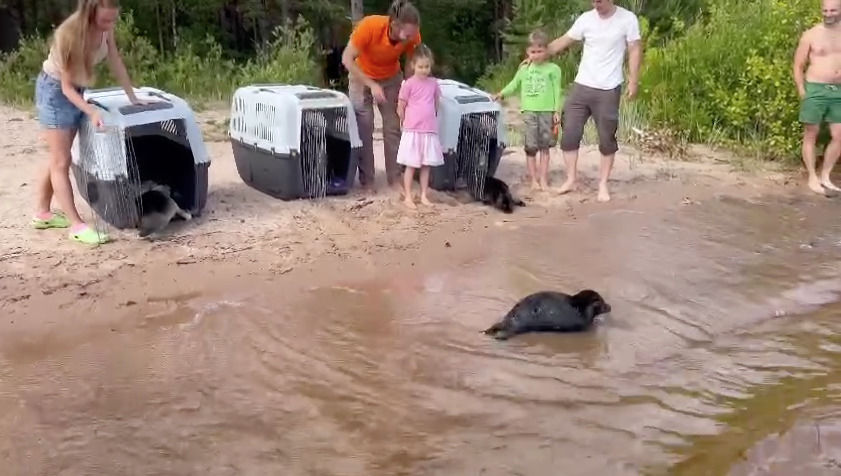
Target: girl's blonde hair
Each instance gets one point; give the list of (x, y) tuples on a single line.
[(71, 39), (423, 52), (538, 38)]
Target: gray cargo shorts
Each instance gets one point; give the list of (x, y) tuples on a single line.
[(538, 133), (602, 105)]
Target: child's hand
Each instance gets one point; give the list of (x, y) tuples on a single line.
[(557, 119), (496, 97)]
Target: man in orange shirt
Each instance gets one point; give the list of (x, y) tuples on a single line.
[(372, 57)]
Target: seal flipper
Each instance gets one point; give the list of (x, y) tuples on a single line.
[(498, 331), (153, 223)]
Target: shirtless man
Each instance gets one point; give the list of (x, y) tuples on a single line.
[(820, 92)]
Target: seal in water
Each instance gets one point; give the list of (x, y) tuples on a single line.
[(550, 311)]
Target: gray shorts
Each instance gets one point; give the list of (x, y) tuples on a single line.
[(602, 105), (538, 133)]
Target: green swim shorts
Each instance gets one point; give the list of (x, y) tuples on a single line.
[(821, 104)]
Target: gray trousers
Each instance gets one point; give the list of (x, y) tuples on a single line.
[(363, 105), (602, 105)]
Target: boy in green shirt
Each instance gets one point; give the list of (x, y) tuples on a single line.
[(539, 82)]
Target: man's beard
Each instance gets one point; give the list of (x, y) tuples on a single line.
[(831, 20)]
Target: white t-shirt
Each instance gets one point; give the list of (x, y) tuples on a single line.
[(605, 43)]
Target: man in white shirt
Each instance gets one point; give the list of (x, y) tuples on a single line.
[(608, 31)]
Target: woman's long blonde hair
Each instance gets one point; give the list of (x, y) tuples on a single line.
[(71, 39)]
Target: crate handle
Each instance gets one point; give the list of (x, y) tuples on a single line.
[(159, 95), (472, 90), (98, 104), (266, 90)]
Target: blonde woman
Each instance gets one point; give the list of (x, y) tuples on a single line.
[(83, 40)]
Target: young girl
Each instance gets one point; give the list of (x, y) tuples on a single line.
[(417, 108), (84, 39)]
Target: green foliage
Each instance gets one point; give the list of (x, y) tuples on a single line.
[(529, 15), (198, 71), (713, 70), (730, 78), (19, 69), (288, 58)]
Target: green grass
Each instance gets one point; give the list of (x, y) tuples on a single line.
[(199, 72)]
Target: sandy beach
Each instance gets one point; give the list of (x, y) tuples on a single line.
[(250, 232)]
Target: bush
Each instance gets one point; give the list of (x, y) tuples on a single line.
[(19, 69), (195, 71), (288, 58), (730, 77)]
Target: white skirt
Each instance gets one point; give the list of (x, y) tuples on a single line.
[(420, 148)]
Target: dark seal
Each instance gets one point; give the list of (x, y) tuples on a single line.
[(497, 195), (549, 311)]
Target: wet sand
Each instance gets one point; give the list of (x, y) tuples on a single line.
[(342, 336)]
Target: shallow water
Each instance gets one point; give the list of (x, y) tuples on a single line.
[(724, 332)]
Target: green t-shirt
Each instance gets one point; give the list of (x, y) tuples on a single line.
[(539, 85)]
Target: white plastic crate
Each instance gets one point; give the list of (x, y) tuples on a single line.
[(160, 141), (472, 131), (294, 141)]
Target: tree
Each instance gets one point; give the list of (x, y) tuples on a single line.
[(356, 10)]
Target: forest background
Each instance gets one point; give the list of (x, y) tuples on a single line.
[(716, 72)]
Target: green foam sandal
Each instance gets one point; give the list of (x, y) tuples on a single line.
[(56, 220), (89, 236)]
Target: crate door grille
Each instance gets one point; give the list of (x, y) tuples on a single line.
[(314, 126), (98, 152), (476, 132)]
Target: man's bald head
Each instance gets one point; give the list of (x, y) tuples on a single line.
[(831, 11)]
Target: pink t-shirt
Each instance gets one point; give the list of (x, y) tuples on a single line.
[(419, 94)]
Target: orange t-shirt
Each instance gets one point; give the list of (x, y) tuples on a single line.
[(378, 57)]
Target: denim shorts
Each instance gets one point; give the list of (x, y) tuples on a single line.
[(55, 111)]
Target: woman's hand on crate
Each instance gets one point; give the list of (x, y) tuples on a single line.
[(139, 102), (96, 120)]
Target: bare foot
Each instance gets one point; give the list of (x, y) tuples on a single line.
[(828, 184), (816, 187), (604, 195), (425, 202), (410, 204), (544, 185), (566, 188), (535, 185)]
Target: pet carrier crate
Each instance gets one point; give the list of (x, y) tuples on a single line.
[(294, 141), (472, 133), (160, 141)]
